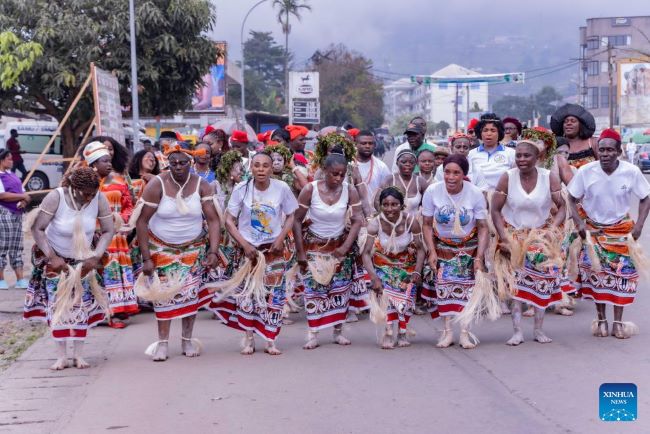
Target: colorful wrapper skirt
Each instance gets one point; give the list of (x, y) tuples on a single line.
[(41, 295), (327, 305), (117, 274), (616, 283), (454, 279), (247, 315), (537, 284), (394, 270), (360, 291), (184, 259), (220, 273)]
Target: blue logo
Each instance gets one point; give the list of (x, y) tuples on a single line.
[(618, 402)]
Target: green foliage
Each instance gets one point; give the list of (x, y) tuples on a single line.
[(287, 8), (173, 54), (16, 57), (264, 73), (348, 91), (527, 108), (399, 124), (443, 127)]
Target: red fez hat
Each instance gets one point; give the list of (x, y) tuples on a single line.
[(472, 124), (296, 130), (239, 136), (208, 130), (610, 133), (354, 132)]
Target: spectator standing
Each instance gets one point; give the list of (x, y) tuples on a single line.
[(14, 147)]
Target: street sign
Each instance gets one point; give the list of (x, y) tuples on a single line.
[(304, 94), (108, 110), (511, 77)]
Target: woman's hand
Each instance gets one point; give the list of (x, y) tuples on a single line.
[(250, 252), (147, 267), (277, 247), (211, 260), (340, 253), (377, 284), (416, 278), (56, 264), (433, 261), (356, 175), (479, 265), (504, 247), (89, 265), (27, 199)]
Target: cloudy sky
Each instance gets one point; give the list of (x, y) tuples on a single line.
[(420, 36)]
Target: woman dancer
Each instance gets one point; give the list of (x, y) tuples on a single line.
[(577, 125), (173, 244), (427, 162), (117, 270), (202, 163), (411, 183), (608, 271), (325, 238), (522, 204), (63, 232), (143, 168), (394, 256), (456, 235), (259, 217), (285, 169)]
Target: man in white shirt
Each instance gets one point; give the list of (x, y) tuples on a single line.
[(373, 171), (630, 148), (414, 139)]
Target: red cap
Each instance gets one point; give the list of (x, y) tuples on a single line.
[(296, 130), (610, 133), (208, 130), (354, 132), (472, 124), (239, 136), (300, 159), (261, 137)]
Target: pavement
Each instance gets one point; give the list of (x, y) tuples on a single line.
[(533, 388)]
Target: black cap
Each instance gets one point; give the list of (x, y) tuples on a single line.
[(414, 128), (167, 135)]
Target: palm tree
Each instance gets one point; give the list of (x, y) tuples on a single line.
[(286, 8)]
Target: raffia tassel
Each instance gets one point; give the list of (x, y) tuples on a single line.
[(135, 215), (101, 299), (30, 219), (151, 289), (322, 268), (291, 280), (80, 246), (378, 308), (573, 258), (596, 267), (638, 257), (483, 302), (227, 287), (504, 277), (69, 293), (361, 239), (253, 286), (180, 203), (629, 328), (518, 250), (594, 327), (118, 222), (151, 349)]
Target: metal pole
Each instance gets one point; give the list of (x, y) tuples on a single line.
[(610, 97), (243, 60), (135, 112)]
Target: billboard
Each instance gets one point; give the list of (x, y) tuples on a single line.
[(108, 110), (304, 90), (634, 92), (212, 96)]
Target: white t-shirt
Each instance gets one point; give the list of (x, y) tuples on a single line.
[(492, 165), (380, 172), (606, 198), (260, 222), (630, 147), (476, 178), (437, 203)]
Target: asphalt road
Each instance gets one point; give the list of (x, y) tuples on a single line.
[(533, 388)]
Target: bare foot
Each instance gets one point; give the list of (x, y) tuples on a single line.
[(248, 346), (272, 350), (340, 339), (190, 348), (418, 310), (530, 312), (541, 337), (516, 339), (618, 332), (80, 363), (160, 355), (352, 317), (402, 340), (312, 341), (446, 339), (467, 340), (563, 311), (599, 328), (387, 342), (60, 364)]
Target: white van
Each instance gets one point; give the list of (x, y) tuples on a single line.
[(33, 136)]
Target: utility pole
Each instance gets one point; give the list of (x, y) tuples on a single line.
[(610, 82), (467, 93), (456, 110), (135, 112)]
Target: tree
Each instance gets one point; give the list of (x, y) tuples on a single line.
[(443, 127), (537, 106), (285, 9), (348, 91), (173, 54), (264, 72), (16, 57), (399, 124)]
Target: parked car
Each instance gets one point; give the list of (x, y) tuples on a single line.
[(643, 157)]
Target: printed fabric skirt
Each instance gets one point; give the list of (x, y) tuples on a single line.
[(537, 284), (183, 259), (616, 283), (220, 273), (394, 270), (246, 314), (41, 294), (327, 305), (454, 279), (117, 274), (360, 291)]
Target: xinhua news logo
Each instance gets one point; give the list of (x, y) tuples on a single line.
[(618, 402)]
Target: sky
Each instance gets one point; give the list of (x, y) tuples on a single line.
[(420, 36)]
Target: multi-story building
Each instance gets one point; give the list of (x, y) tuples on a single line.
[(605, 44)]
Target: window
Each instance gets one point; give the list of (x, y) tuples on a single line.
[(604, 97), (593, 67), (475, 86), (603, 67), (34, 144), (442, 85), (619, 40), (593, 42), (592, 97)]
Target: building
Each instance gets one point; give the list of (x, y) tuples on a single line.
[(609, 47), (437, 102)]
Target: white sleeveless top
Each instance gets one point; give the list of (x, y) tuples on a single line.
[(172, 227), (527, 211), (402, 241), (411, 204), (328, 221), (59, 231)]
